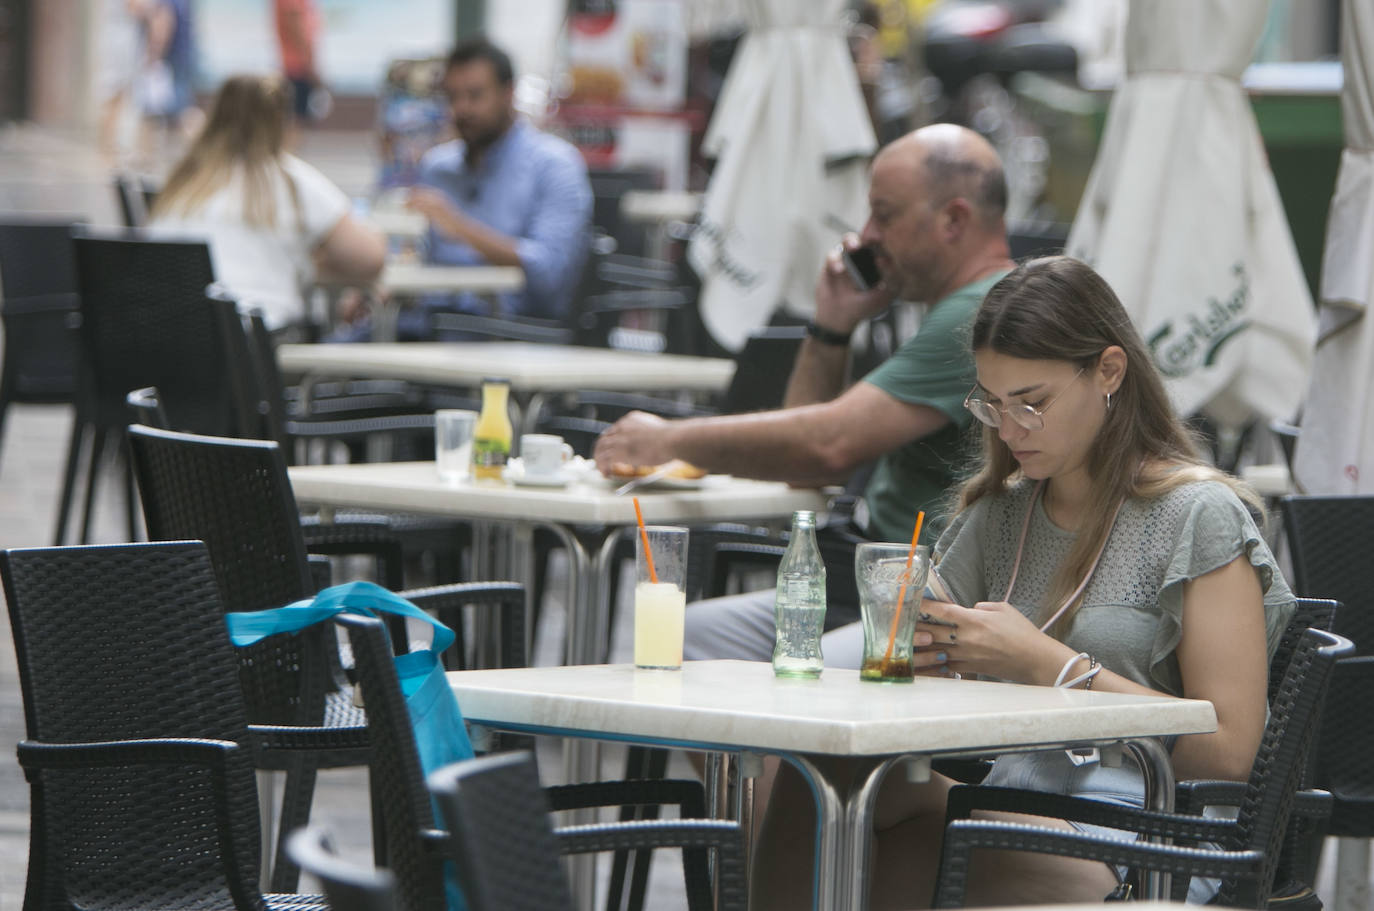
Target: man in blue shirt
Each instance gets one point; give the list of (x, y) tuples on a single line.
[(503, 193)]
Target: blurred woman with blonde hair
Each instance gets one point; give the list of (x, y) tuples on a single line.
[(271, 219)]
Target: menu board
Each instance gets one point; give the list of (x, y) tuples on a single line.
[(630, 54), (621, 86)]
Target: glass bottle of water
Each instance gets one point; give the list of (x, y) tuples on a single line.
[(799, 608)]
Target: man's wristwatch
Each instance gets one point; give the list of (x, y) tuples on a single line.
[(827, 336)]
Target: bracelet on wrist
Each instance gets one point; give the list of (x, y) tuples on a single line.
[(1085, 678), (827, 336)]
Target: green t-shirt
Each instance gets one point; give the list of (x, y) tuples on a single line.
[(935, 368)]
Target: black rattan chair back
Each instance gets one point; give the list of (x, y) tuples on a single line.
[(503, 843), (143, 324), (1341, 762), (36, 257), (1310, 613), (136, 196), (347, 886), (40, 350), (38, 278), (1294, 715), (122, 649), (235, 496), (1327, 540), (396, 777), (762, 369), (147, 409)]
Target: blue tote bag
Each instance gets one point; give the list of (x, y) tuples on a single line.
[(440, 735), (434, 715)]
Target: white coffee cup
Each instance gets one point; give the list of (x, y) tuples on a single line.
[(543, 454), (453, 429)]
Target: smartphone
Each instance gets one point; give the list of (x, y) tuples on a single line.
[(862, 266), (935, 588)]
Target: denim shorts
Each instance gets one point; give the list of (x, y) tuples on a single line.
[(1053, 772)]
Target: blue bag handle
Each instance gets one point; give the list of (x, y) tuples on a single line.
[(248, 627)]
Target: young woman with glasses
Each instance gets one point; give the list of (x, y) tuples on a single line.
[(1093, 549)]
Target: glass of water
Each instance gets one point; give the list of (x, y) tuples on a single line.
[(453, 429)]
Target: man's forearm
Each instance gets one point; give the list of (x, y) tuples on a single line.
[(772, 446), (495, 247), (818, 374)]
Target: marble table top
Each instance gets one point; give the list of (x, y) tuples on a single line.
[(660, 205), (416, 487), (740, 704), (400, 223), (530, 367), (419, 278)]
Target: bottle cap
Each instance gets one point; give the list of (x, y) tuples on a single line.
[(502, 380)]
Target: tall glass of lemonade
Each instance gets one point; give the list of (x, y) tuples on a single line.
[(660, 597)]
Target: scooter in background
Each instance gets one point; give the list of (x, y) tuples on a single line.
[(973, 49)]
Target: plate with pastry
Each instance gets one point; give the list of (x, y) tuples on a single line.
[(674, 475)]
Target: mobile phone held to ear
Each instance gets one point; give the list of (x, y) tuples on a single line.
[(862, 266)]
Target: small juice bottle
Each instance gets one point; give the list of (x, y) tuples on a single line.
[(491, 439)]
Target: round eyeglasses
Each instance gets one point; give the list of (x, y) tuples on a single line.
[(1027, 416)]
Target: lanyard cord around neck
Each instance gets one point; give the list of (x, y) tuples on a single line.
[(1021, 546)]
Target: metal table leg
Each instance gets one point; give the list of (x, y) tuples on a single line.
[(581, 758), (833, 884), (1158, 771)]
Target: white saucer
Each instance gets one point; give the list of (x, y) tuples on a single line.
[(558, 479), (514, 472)]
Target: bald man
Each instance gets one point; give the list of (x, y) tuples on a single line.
[(936, 202)]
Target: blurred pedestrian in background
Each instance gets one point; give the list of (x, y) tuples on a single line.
[(298, 29), (272, 220), (164, 88), (118, 66)]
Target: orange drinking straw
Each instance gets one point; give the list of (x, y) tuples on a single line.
[(901, 592), (649, 554)]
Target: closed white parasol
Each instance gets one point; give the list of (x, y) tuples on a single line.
[(1182, 217), (791, 139), (1335, 453)]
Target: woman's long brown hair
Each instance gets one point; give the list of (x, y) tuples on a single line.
[(245, 134), (1057, 308)]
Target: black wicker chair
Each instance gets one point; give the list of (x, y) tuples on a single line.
[(1249, 854), (346, 886), (135, 196), (348, 534), (137, 754), (353, 413), (235, 495), (38, 277), (416, 847), (144, 322), (1297, 866), (1328, 541), (507, 850)]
